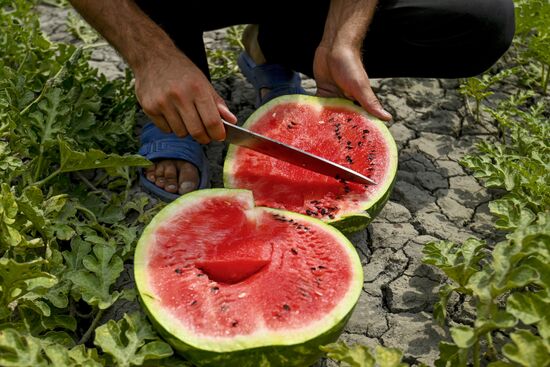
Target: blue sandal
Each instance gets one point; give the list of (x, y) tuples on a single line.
[(156, 144), (277, 78)]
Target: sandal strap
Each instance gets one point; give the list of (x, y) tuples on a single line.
[(156, 144)]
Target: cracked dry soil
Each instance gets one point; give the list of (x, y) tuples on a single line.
[(434, 198)]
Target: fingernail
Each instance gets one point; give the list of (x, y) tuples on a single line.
[(386, 114), (160, 179), (186, 187), (171, 187), (151, 177)]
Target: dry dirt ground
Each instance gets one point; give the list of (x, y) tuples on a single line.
[(434, 198)]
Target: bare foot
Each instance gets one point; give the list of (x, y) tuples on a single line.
[(252, 47), (174, 176)]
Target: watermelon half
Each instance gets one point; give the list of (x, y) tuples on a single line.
[(231, 284), (332, 128)]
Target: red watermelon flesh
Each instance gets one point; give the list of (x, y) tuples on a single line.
[(332, 130), (283, 271)]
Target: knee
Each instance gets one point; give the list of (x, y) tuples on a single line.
[(492, 25)]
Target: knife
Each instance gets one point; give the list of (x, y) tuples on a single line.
[(245, 138)]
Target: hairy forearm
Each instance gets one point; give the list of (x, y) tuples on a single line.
[(347, 22), (124, 25)]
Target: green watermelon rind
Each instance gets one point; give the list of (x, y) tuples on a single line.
[(296, 355), (349, 222), (274, 347)]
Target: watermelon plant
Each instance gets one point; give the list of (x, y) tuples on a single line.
[(68, 221), (533, 38), (508, 282)]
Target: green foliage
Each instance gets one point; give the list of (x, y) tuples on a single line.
[(533, 34), (362, 356), (479, 88), (508, 283), (131, 341), (222, 62), (80, 29), (510, 287), (23, 350), (68, 219)]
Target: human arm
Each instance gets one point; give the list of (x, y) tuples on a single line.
[(338, 68), (171, 89)]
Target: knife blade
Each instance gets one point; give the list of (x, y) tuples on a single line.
[(245, 138)]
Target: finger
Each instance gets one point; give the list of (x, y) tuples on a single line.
[(175, 121), (210, 117), (193, 123), (161, 123), (371, 104), (224, 111)]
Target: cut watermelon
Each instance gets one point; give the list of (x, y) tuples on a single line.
[(231, 284), (332, 128)]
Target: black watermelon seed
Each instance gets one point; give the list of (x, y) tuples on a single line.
[(321, 267), (323, 211), (286, 307), (294, 252), (349, 119), (178, 270), (331, 216), (200, 274), (214, 289), (224, 308), (289, 126), (366, 131), (347, 189), (308, 212), (193, 302), (359, 143), (313, 268), (293, 123), (234, 323)]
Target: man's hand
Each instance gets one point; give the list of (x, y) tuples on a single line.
[(337, 66), (171, 89), (178, 97)]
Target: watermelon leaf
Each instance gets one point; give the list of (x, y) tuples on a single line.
[(100, 271), (126, 341), (72, 160), (355, 356), (21, 350), (361, 356), (527, 349), (23, 282)]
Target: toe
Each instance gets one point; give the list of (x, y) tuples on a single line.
[(171, 177), (188, 177), (150, 173), (159, 174)]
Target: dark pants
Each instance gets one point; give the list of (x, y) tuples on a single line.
[(407, 38)]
